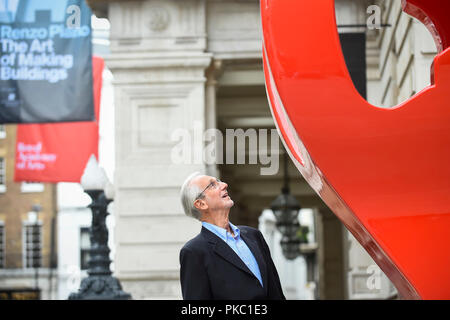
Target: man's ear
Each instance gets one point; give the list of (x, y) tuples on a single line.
[(200, 204)]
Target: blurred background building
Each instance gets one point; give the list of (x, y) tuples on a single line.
[(197, 64), (177, 62), (27, 230)]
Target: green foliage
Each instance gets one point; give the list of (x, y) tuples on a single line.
[(302, 234)]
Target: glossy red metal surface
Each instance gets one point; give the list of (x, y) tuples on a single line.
[(385, 173)]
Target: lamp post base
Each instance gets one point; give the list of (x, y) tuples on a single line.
[(100, 287), (100, 284)]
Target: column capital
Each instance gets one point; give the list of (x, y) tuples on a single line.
[(213, 72)]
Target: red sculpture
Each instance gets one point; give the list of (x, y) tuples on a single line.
[(385, 173)]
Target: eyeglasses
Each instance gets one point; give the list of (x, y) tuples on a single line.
[(214, 184)]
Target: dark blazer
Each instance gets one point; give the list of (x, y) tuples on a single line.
[(210, 269)]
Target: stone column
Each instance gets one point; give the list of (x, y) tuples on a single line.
[(211, 115), (158, 61), (330, 255)]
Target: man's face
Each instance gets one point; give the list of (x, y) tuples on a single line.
[(215, 194)]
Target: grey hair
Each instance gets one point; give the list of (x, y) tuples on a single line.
[(189, 193)]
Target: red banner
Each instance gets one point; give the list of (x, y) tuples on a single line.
[(59, 152)]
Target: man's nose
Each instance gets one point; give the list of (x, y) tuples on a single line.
[(224, 185)]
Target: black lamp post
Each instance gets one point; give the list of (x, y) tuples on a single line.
[(286, 208), (100, 284)]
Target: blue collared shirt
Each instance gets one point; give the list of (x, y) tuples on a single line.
[(238, 245)]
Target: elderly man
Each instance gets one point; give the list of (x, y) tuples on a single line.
[(224, 261)]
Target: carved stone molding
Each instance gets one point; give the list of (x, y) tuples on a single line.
[(159, 18)]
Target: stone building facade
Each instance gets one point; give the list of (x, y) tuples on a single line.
[(16, 220), (196, 64)]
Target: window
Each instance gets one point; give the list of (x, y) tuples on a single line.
[(2, 245), (31, 187), (32, 245), (2, 175), (85, 245), (2, 131)]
